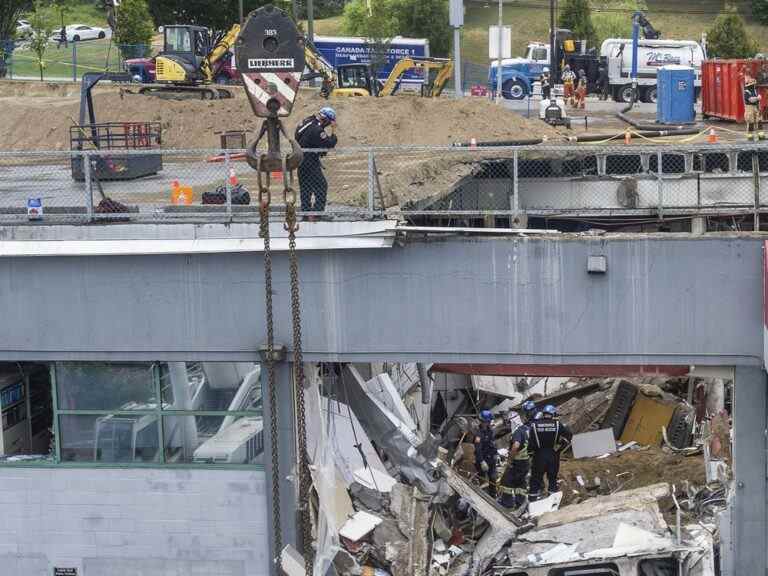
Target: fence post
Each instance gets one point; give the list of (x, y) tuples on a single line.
[(515, 199), (88, 185), (756, 181), (227, 187), (74, 61), (660, 172), (371, 180)]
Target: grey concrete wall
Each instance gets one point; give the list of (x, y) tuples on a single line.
[(140, 522), (664, 299)]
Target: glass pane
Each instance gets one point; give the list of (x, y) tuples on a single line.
[(101, 386), (210, 386), (214, 439), (177, 39), (109, 438)]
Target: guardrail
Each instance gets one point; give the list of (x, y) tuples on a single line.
[(427, 182)]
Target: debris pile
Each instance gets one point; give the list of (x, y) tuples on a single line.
[(399, 493)]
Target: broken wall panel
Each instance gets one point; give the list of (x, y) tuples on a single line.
[(646, 419)]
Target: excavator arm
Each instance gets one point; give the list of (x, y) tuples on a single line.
[(443, 69), (321, 68), (222, 47)]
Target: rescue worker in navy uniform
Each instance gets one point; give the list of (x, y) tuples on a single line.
[(514, 493), (315, 132), (546, 85), (529, 411), (485, 451), (548, 439)]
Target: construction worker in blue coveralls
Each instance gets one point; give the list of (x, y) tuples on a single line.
[(315, 132), (485, 451), (514, 493), (548, 439)]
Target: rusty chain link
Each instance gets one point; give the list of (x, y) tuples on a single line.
[(264, 202), (305, 480)]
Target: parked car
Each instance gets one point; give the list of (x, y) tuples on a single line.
[(78, 32), (23, 29)]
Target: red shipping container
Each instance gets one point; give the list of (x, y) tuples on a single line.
[(722, 87)]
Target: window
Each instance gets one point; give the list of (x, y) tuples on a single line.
[(177, 39), (537, 54), (134, 413)]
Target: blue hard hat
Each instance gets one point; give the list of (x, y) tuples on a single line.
[(329, 113), (549, 409), (529, 406), (486, 416)]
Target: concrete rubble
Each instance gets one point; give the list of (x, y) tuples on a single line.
[(393, 458)]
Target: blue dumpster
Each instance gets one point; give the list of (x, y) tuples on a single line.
[(676, 95)]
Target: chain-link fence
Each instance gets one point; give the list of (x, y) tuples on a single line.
[(70, 60), (352, 183)]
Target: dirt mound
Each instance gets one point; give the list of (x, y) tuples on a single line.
[(628, 470), (39, 116)]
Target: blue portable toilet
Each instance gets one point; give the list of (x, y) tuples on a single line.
[(676, 95)]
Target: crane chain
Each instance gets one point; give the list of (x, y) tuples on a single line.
[(264, 202), (305, 479)]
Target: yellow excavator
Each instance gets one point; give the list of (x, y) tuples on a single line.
[(360, 80), (192, 62)]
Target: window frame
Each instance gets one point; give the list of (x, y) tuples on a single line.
[(55, 461)]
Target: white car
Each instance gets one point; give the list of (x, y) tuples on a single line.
[(23, 28), (78, 32)]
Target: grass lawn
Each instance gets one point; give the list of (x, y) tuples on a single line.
[(92, 56)]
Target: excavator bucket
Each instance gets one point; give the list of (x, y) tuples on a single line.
[(270, 58)]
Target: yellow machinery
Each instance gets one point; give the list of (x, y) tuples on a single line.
[(433, 86), (359, 79), (191, 60)]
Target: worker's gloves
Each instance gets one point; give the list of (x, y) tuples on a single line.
[(484, 466)]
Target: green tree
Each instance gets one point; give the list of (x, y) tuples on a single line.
[(576, 15), (134, 28), (424, 19), (219, 16), (377, 24), (38, 40), (760, 10), (10, 12), (728, 37)]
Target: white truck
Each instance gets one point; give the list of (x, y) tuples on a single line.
[(518, 74), (651, 55)]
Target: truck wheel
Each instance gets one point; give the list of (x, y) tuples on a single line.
[(625, 93), (514, 90), (650, 95), (618, 412)]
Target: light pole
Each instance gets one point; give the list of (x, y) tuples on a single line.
[(240, 11), (456, 19), (498, 66)]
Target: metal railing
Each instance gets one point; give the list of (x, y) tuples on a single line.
[(439, 182)]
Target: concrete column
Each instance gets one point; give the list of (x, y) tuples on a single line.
[(698, 225), (749, 457), (287, 443)]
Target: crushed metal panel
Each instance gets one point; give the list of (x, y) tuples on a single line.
[(382, 387), (646, 420), (498, 385), (590, 444), (359, 525), (595, 507)]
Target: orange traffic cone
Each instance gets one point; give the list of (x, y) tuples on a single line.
[(233, 177), (712, 136), (627, 137), (472, 143)]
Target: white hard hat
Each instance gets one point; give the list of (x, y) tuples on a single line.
[(546, 69)]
